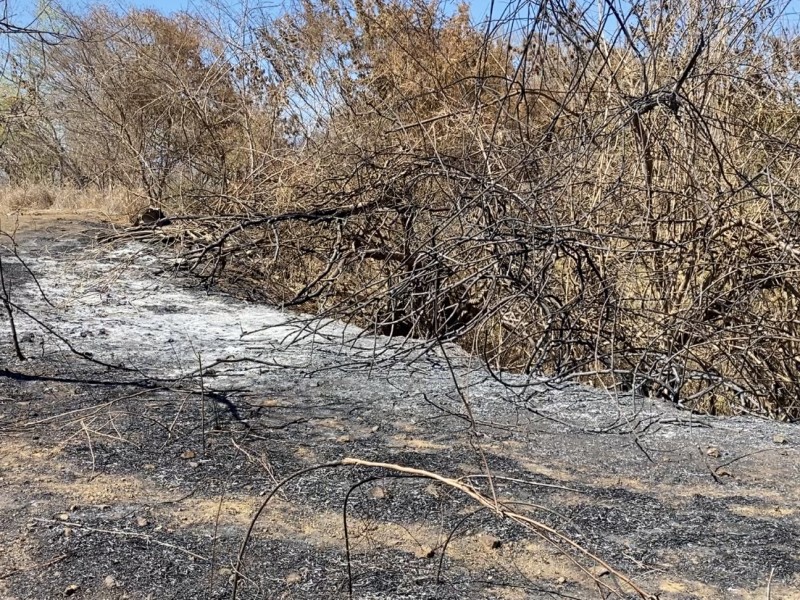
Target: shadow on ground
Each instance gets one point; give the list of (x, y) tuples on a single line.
[(140, 482)]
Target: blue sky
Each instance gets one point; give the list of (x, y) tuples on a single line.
[(23, 10)]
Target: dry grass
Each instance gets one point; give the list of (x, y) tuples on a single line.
[(115, 202)]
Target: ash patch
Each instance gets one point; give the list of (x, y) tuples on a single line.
[(219, 400), (715, 545)]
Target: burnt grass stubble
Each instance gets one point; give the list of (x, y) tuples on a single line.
[(240, 446)]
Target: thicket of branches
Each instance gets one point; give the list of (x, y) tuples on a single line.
[(599, 191)]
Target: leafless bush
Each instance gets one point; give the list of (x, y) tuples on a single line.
[(606, 194), (34, 197)]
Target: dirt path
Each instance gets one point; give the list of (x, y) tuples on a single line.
[(140, 482)]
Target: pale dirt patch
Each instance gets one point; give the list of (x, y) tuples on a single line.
[(406, 441), (768, 510), (681, 590)]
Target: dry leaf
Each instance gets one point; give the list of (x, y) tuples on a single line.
[(379, 492), (432, 490)]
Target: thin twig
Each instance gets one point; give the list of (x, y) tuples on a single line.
[(148, 538)]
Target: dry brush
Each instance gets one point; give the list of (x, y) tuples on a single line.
[(604, 192)]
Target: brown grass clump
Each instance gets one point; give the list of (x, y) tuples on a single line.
[(34, 197), (39, 197)]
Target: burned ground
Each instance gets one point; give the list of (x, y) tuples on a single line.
[(140, 481)]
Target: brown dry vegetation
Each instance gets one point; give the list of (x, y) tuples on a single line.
[(604, 192), (28, 198)]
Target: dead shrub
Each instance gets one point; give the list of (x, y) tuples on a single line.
[(601, 194), (113, 202), (28, 198)]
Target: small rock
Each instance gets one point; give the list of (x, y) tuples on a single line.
[(379, 492), (62, 517), (187, 454), (490, 541), (713, 452), (425, 552), (293, 578), (343, 439), (141, 521), (71, 589), (561, 580), (598, 571), (151, 216), (110, 582), (194, 465), (780, 439)]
